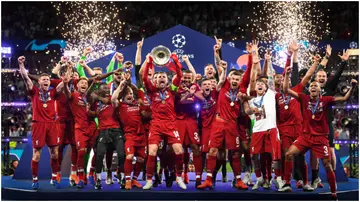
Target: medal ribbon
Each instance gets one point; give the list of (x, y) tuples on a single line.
[(233, 95), (313, 109), (287, 100), (162, 95), (45, 96), (260, 103)]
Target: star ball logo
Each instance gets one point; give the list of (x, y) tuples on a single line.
[(179, 41)]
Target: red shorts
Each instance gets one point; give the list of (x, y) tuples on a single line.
[(43, 132), (205, 134), (65, 131), (135, 144), (160, 129), (289, 134), (85, 138), (224, 130), (266, 141), (318, 144), (188, 130)]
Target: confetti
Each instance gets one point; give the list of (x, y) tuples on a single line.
[(89, 23), (280, 22)]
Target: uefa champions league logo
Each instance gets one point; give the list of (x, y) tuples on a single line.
[(178, 41)]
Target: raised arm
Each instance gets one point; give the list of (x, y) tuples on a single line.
[(256, 66), (270, 71), (87, 68), (348, 94), (65, 86), (28, 83), (145, 76), (310, 71), (217, 51), (138, 52), (247, 75), (286, 84), (295, 72), (332, 84), (110, 68), (189, 65), (34, 77), (117, 92), (325, 60), (79, 68), (177, 80), (222, 65), (103, 76)]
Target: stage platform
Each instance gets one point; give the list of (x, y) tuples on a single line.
[(21, 190)]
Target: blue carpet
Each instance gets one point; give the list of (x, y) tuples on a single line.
[(21, 190)]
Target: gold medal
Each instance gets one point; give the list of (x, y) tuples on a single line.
[(286, 107), (163, 101), (313, 116), (232, 104), (44, 105)]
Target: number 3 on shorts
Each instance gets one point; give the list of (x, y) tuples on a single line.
[(326, 151)]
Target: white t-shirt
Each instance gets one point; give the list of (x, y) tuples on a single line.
[(266, 119)]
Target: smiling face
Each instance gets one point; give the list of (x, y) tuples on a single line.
[(187, 79), (314, 89), (260, 87), (235, 81), (82, 86), (278, 79), (162, 80), (129, 96), (209, 71), (44, 82), (104, 90), (206, 87), (321, 78)]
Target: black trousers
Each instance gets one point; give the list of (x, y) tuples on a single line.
[(107, 140)]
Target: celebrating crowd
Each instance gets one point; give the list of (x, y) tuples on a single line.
[(254, 113)]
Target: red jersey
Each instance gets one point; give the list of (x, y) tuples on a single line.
[(77, 104), (292, 115), (227, 112), (163, 109), (107, 116), (208, 109), (185, 109), (62, 107), (318, 125), (129, 115), (43, 104)]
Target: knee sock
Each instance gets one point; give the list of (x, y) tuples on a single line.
[(34, 170), (150, 167)]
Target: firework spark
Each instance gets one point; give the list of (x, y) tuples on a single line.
[(279, 23), (89, 23)]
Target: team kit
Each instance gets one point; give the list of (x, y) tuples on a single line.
[(270, 118)]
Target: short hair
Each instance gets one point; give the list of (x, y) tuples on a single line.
[(262, 81), (83, 78), (208, 64), (241, 71), (203, 80), (279, 74), (44, 74), (263, 77), (237, 73), (321, 70), (186, 71)]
